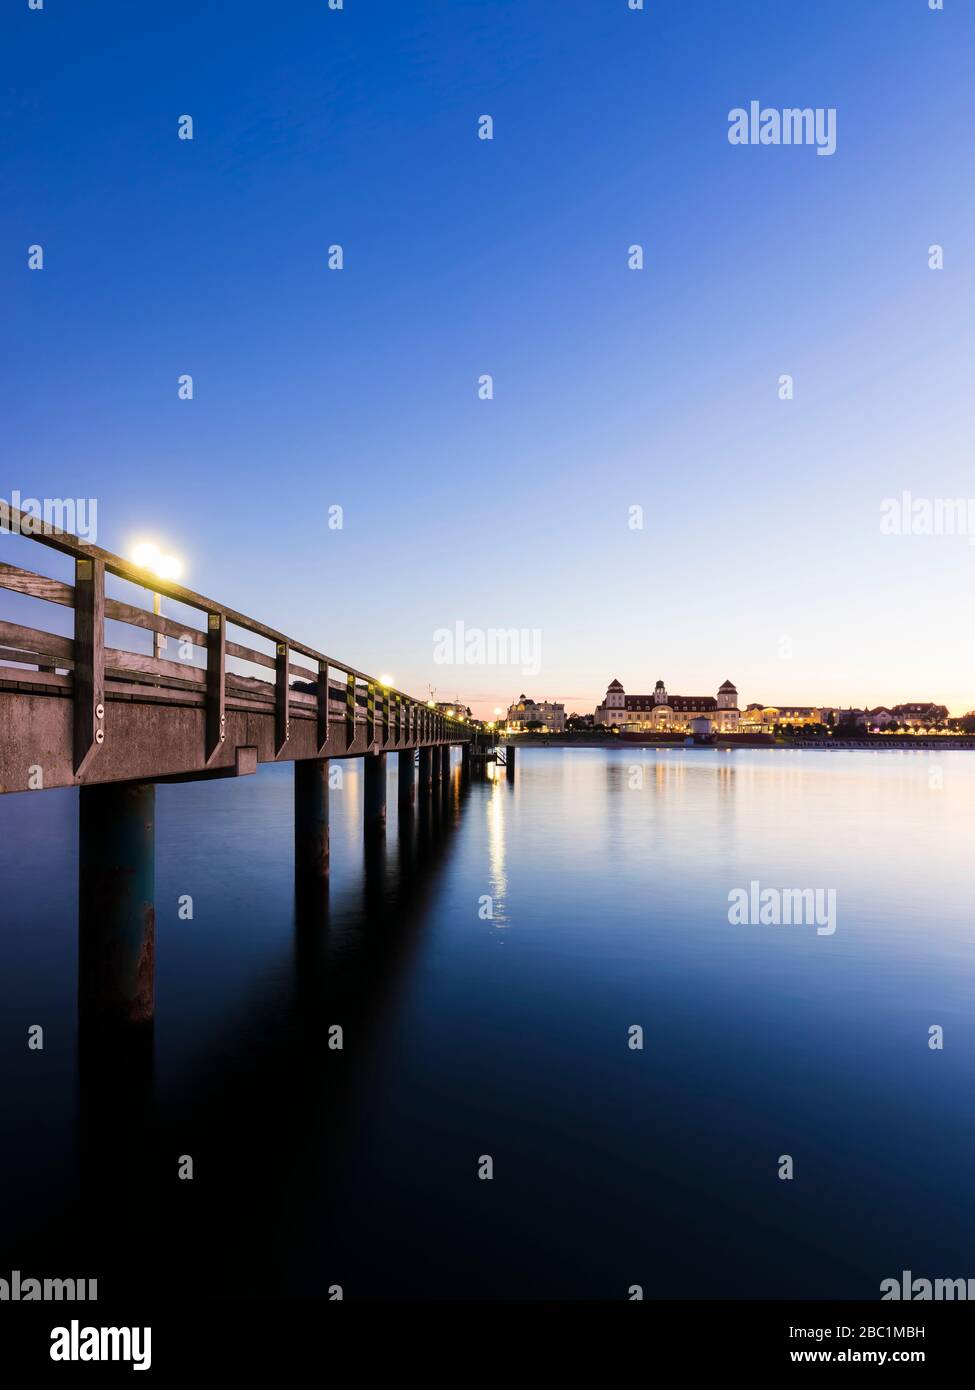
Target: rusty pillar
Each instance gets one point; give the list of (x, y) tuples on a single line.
[(116, 904)]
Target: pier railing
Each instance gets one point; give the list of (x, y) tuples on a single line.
[(334, 707)]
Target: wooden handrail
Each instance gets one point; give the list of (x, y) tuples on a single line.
[(389, 714)]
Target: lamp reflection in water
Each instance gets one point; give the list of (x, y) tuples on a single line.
[(496, 808)]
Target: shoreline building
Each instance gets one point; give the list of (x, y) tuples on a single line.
[(665, 713), (535, 716), (453, 709), (920, 714), (765, 717)]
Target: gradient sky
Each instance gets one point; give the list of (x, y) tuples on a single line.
[(463, 256)]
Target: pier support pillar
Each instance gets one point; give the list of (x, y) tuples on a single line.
[(406, 783), (425, 770), (116, 904), (510, 762), (375, 794), (311, 820), (465, 762)]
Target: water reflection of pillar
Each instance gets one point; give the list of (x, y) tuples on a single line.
[(116, 1003), (406, 833), (115, 1137), (446, 784), (455, 794), (427, 821), (374, 872)]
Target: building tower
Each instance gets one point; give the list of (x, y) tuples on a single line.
[(660, 693), (727, 696), (615, 697)]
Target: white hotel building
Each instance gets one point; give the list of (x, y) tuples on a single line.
[(663, 713)]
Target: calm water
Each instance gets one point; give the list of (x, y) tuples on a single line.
[(469, 1036)]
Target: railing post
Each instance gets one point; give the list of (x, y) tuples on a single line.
[(282, 710), (324, 696), (350, 709), (386, 699), (370, 714), (89, 656), (216, 731)]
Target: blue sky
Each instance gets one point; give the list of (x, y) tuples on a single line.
[(612, 387)]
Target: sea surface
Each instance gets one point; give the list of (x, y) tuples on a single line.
[(489, 962)]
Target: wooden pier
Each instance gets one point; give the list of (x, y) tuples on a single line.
[(114, 722)]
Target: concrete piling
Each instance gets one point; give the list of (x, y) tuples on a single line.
[(406, 779), (116, 901), (425, 771), (374, 802), (311, 820)]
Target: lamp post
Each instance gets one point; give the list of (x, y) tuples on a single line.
[(148, 557)]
